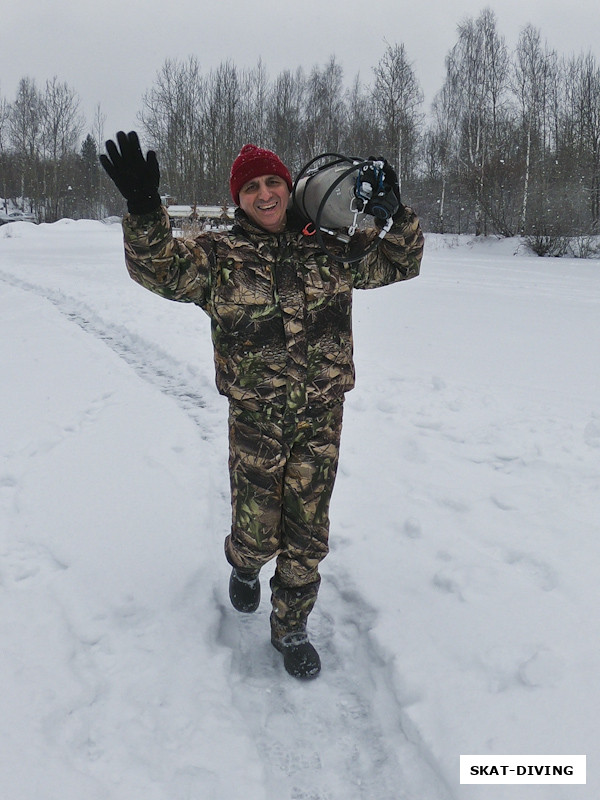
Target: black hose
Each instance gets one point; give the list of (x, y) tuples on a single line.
[(356, 164)]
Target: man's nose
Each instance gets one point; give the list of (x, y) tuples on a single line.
[(263, 192)]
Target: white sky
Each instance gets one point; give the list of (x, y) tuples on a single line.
[(110, 52)]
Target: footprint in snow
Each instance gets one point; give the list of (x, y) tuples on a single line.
[(24, 561), (340, 735), (543, 574)]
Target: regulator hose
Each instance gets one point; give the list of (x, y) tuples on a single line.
[(356, 165)]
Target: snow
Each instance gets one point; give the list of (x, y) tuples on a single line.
[(459, 606)]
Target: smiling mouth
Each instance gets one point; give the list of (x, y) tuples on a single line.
[(270, 207)]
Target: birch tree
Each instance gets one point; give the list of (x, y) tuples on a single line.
[(25, 130), (533, 76), (398, 97), (4, 161), (477, 72)]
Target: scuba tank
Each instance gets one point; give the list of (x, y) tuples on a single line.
[(344, 193)]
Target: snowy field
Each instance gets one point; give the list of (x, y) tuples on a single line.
[(459, 606)]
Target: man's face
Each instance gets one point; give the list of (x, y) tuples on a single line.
[(265, 201)]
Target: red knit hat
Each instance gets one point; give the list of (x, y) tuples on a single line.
[(252, 162)]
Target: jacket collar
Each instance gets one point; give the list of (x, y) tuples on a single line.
[(294, 225)]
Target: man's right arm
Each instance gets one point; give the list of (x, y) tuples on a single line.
[(173, 268)]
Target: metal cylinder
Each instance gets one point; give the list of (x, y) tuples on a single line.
[(337, 211)]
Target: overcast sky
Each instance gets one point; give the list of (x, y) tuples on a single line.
[(109, 52)]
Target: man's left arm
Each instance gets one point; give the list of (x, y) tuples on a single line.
[(398, 255)]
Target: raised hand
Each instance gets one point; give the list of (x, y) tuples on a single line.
[(136, 177)]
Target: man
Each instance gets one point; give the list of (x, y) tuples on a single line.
[(281, 327)]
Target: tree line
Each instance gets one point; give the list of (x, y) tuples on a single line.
[(511, 145)]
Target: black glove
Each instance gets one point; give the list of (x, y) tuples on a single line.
[(385, 201), (136, 177)]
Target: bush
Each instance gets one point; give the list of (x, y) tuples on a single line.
[(548, 245), (585, 246)]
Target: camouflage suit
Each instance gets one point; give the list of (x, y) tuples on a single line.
[(281, 327)]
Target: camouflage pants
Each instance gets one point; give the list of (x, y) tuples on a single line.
[(282, 469)]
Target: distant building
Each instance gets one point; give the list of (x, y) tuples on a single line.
[(215, 216)]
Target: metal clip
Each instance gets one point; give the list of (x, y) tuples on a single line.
[(352, 228)]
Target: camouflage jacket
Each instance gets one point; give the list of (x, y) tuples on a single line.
[(280, 307)]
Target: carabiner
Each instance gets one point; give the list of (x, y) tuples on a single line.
[(352, 228)]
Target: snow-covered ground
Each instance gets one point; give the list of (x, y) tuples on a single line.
[(459, 606)]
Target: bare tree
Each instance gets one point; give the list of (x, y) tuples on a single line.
[(62, 122), (62, 125), (4, 121), (106, 193), (172, 118), (443, 145), (534, 74), (324, 112), (398, 98), (477, 72), (25, 135), (98, 122), (585, 87), (221, 119), (254, 106), (285, 116), (4, 118), (362, 134)]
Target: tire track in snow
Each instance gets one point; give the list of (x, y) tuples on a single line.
[(147, 360)]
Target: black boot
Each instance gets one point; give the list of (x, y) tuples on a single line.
[(244, 590), (300, 658)]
